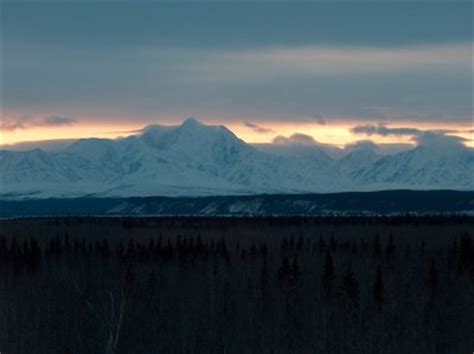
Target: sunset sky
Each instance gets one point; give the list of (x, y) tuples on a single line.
[(338, 72)]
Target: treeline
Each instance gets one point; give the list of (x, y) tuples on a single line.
[(236, 286)]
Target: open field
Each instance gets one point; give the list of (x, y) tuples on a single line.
[(237, 285)]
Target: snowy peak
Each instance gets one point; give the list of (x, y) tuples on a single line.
[(195, 143), (192, 128), (192, 123), (198, 159)]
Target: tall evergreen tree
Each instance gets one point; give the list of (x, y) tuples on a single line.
[(433, 277), (390, 246), (328, 274), (351, 286), (466, 253), (378, 286), (377, 247)]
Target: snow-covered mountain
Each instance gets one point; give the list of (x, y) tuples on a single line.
[(195, 159)]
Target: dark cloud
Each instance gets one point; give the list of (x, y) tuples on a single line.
[(438, 139), (57, 121), (211, 24), (117, 61), (295, 139), (383, 130), (29, 122), (257, 128), (361, 144), (320, 119), (12, 125)]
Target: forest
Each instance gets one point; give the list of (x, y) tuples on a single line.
[(74, 285)]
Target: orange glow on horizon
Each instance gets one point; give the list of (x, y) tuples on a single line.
[(76, 131), (338, 133)]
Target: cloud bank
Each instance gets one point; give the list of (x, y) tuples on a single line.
[(271, 60), (295, 139), (383, 130), (438, 139), (29, 122)]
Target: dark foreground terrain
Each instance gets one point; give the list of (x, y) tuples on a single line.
[(392, 202), (236, 285)]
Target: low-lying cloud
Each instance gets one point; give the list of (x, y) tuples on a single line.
[(258, 129), (30, 122), (57, 120), (383, 130), (380, 148), (295, 139), (427, 138), (361, 144), (441, 141)]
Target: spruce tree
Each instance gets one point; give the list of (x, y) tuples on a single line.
[(390, 246), (328, 274), (378, 286), (351, 287), (433, 277), (377, 247)]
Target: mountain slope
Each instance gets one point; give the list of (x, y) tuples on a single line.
[(424, 167), (194, 159)]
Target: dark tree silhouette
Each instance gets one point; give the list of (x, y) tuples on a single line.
[(433, 277), (390, 246), (377, 247), (243, 285), (466, 250), (351, 287), (328, 274), (378, 286)]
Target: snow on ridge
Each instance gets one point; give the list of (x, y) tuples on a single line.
[(194, 159)]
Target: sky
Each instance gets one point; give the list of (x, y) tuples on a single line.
[(337, 72)]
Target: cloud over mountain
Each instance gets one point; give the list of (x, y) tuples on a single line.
[(439, 141), (297, 138)]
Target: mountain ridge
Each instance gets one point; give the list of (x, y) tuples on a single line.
[(193, 159)]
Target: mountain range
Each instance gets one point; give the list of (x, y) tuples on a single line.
[(194, 159)]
